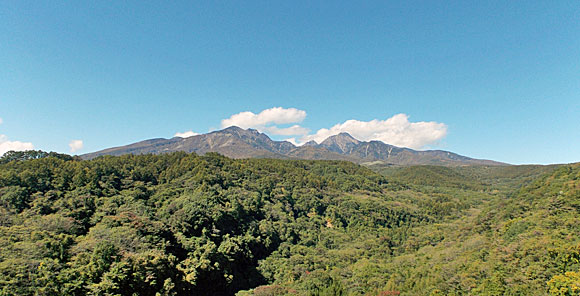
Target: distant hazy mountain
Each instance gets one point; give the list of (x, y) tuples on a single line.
[(239, 143)]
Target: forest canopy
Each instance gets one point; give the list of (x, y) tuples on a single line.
[(183, 224)]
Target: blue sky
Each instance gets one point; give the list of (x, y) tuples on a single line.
[(487, 79)]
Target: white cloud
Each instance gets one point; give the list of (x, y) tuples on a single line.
[(289, 131), (186, 134), (293, 141), (6, 145), (267, 120), (75, 145), (396, 130), (1, 121)]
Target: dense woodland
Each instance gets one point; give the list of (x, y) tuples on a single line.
[(182, 224)]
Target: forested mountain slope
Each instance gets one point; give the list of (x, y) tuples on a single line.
[(182, 224), (521, 241)]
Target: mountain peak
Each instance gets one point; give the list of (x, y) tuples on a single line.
[(342, 143), (310, 143), (250, 133), (232, 128), (345, 135), (342, 137)]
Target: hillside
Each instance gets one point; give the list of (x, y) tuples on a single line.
[(183, 224), (174, 223), (235, 142)]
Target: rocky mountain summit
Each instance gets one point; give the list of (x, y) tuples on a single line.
[(236, 142)]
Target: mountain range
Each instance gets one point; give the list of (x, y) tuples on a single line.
[(236, 142)]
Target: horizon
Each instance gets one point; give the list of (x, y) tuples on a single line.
[(183, 136), (491, 80)]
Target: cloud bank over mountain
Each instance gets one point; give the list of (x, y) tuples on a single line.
[(186, 134), (396, 130), (268, 120)]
